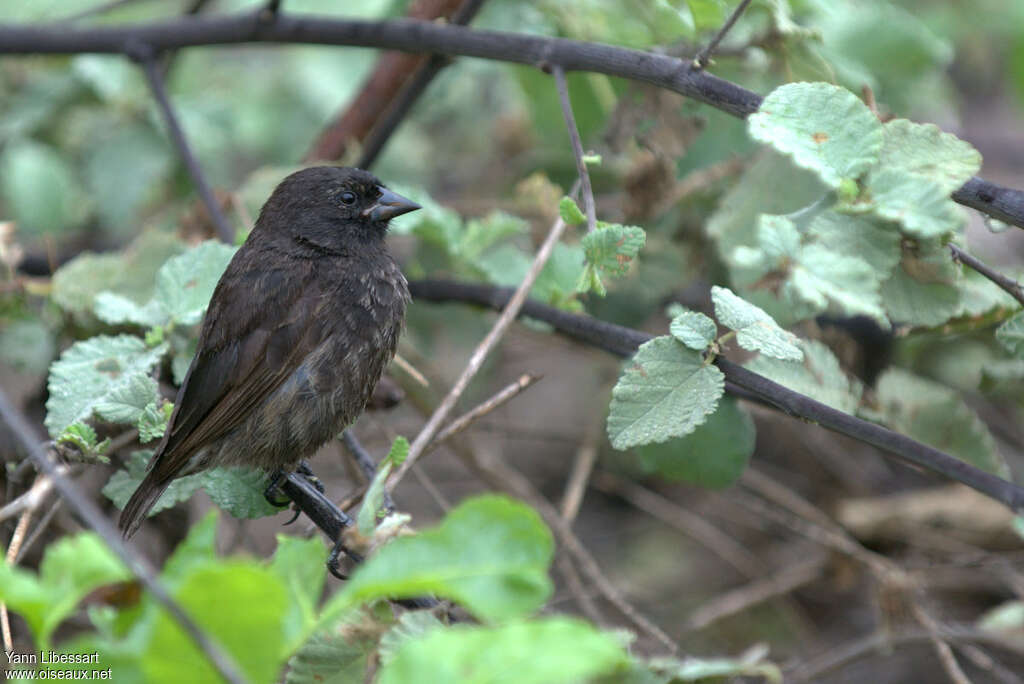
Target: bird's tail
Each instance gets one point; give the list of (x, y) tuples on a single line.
[(147, 494)]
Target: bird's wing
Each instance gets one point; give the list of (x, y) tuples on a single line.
[(246, 350)]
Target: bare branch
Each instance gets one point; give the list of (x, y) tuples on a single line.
[(577, 145), (92, 515), (156, 83), (1011, 286), (704, 56)]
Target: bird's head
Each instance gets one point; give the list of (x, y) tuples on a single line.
[(331, 206)]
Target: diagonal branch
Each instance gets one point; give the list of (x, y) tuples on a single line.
[(704, 56), (624, 341), (156, 83), (92, 515), (1011, 286), (577, 145)]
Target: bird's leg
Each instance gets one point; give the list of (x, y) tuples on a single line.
[(304, 470), (274, 488)]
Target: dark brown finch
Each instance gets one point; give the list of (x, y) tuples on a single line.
[(298, 332)]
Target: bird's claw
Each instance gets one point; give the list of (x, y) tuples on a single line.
[(274, 489)]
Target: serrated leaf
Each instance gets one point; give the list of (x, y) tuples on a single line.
[(824, 128), (612, 247), (1011, 334), (90, 372), (126, 403), (399, 451), (714, 455), (239, 491), (373, 501), (186, 282), (874, 241), (665, 390), (755, 329), (936, 415), (823, 278), (152, 423), (570, 212), (123, 483), (925, 150), (819, 376), (490, 554), (411, 625), (693, 329), (551, 650), (480, 234), (917, 203), (330, 657)]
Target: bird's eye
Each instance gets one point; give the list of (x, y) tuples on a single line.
[(348, 197)]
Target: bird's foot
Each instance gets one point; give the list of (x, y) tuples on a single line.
[(334, 559), (273, 491), (304, 470)]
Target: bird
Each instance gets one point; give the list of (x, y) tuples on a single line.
[(297, 333)]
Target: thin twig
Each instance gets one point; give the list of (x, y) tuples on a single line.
[(147, 59), (1009, 285), (41, 526), (577, 145), (32, 499), (12, 552), (576, 486), (92, 515), (411, 370), (476, 361), (704, 56), (942, 649), (482, 409)]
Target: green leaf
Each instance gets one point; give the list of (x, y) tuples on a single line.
[(27, 345), (755, 329), (198, 548), (71, 568), (373, 500), (152, 423), (936, 415), (300, 564), (215, 595), (489, 554), (239, 491), (824, 128), (665, 390), (39, 188), (127, 402), (714, 455), (94, 371), (875, 242), (185, 283), (925, 150), (819, 376), (124, 482), (570, 212), (1011, 334), (690, 669), (117, 309), (923, 290), (480, 234), (399, 451), (543, 651), (332, 656), (917, 203), (83, 437), (612, 247), (693, 329)]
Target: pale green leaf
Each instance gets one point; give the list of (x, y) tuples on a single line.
[(399, 451), (411, 625), (924, 289), (693, 329), (126, 402), (925, 150), (819, 376), (551, 650), (936, 415), (39, 188), (917, 203), (480, 234), (755, 329), (152, 423), (612, 247), (490, 554), (570, 212), (874, 241), (824, 128), (825, 279), (239, 491), (332, 656), (186, 282), (123, 483), (665, 390), (373, 501), (90, 372), (714, 455), (116, 309)]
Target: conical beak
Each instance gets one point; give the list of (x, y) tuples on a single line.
[(389, 205)]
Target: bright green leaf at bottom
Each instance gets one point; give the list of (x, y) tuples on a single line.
[(491, 554), (543, 651), (665, 390), (714, 455)]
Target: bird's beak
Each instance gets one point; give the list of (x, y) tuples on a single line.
[(389, 205)]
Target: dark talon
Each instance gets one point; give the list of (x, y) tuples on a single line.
[(304, 469), (335, 557), (294, 518), (272, 490)]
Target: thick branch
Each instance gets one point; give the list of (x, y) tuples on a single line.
[(624, 341), (409, 35)]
